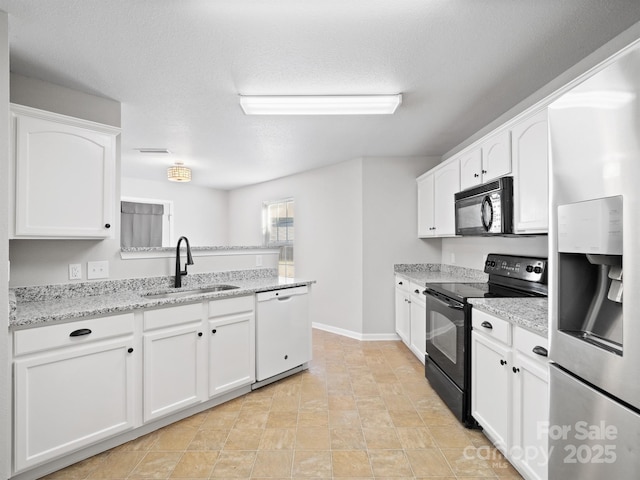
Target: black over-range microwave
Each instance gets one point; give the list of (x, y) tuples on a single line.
[(486, 209)]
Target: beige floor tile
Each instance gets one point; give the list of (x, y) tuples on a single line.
[(390, 463), (373, 402), (312, 438), (209, 440), (174, 438), (347, 439), (381, 437), (406, 418), (351, 463), (428, 462), (156, 465), (273, 464), (195, 465), (397, 402), (341, 402), (143, 443), (278, 439), (412, 438), (311, 463), (376, 419), (80, 470), (285, 403), (395, 388), (118, 464), (243, 439), (451, 436), (231, 464), (319, 418), (249, 419), (219, 419), (282, 419), (467, 462), (344, 418)]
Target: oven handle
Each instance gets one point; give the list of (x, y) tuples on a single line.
[(453, 305)]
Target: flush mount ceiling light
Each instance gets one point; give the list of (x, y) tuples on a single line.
[(320, 104), (179, 173)]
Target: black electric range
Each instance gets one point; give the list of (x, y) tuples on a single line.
[(448, 323)]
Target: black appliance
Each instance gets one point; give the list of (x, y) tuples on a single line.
[(448, 359), (486, 209)]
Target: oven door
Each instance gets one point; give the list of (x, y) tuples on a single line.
[(446, 335)]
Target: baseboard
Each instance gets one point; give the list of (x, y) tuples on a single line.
[(363, 337)]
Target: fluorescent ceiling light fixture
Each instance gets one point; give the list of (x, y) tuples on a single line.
[(320, 104)]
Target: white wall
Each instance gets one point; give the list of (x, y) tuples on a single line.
[(5, 377), (354, 220), (390, 234), (471, 252), (200, 213), (328, 235)]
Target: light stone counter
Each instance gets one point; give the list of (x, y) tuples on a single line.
[(37, 306), (424, 273), (529, 313)]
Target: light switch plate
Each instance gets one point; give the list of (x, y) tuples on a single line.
[(97, 270)]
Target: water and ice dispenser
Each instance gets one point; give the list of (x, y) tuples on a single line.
[(590, 272)]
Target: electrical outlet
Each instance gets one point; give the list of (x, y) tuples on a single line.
[(75, 271), (97, 270), (258, 260)]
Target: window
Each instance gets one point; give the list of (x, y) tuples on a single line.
[(278, 229), (145, 222)]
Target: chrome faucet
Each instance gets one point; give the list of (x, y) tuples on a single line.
[(180, 273)]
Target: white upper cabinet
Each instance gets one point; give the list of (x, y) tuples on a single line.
[(530, 174), (488, 162), (64, 174), (436, 190), (470, 169)]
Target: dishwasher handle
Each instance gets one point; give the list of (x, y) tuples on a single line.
[(283, 294)]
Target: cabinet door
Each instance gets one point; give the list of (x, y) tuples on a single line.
[(403, 311), (418, 320), (490, 388), (231, 352), (530, 416), (426, 226), (72, 398), (174, 361), (496, 156), (447, 184), (471, 169), (65, 185), (530, 174)]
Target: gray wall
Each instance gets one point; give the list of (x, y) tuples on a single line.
[(354, 220), (390, 234)]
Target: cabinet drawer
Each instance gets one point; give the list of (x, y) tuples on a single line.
[(526, 341), (491, 326), (402, 283), (230, 306), (171, 316), (60, 335)]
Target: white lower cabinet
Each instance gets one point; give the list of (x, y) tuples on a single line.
[(75, 385), (411, 316), (174, 360), (510, 391), (231, 344), (403, 310), (418, 322)]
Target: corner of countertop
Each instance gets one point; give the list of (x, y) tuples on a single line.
[(13, 306)]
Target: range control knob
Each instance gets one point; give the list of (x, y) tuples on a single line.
[(529, 268)]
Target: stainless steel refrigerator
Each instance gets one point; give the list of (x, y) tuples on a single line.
[(594, 281)]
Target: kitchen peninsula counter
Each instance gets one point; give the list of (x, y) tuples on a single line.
[(529, 313)]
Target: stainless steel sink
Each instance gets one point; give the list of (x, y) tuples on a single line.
[(193, 291)]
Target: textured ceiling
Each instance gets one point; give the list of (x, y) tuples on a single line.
[(178, 67)]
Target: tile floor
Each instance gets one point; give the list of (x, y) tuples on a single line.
[(362, 410)]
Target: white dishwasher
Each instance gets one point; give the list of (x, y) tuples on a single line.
[(283, 331)]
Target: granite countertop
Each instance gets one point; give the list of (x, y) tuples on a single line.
[(37, 312), (438, 273), (529, 313)]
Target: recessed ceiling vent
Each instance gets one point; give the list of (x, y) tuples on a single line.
[(155, 151)]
